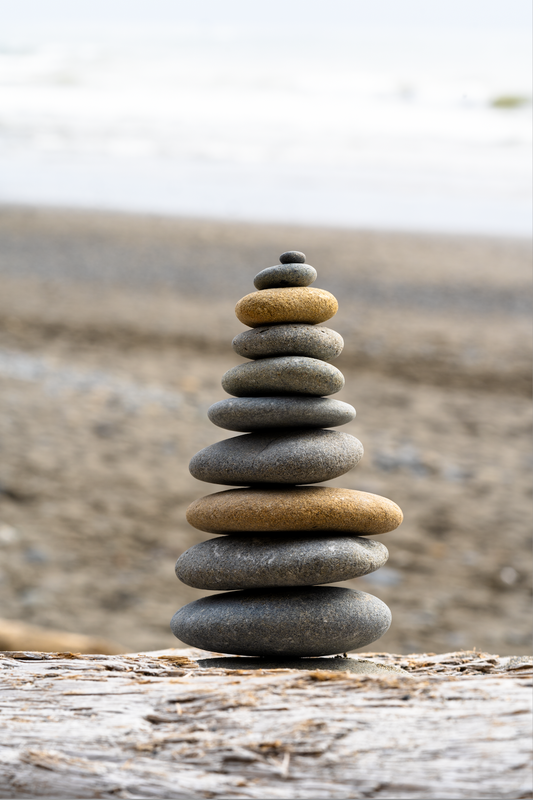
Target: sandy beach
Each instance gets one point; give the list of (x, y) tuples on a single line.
[(115, 331)]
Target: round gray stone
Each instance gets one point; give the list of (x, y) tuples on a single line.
[(294, 457), (292, 257), (258, 413), (285, 275), (283, 375), (297, 622), (289, 340), (256, 562)]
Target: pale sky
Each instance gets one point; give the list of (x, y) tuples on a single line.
[(20, 16)]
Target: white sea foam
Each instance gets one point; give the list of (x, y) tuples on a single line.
[(371, 129)]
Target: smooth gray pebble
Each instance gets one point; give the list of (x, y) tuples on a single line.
[(283, 275), (298, 559), (298, 622), (292, 457), (283, 375), (292, 257), (258, 413), (293, 339)]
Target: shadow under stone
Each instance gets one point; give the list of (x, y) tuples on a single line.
[(335, 664)]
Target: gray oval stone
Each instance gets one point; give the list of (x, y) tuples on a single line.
[(292, 257), (284, 375), (257, 413), (285, 275), (256, 562), (294, 457), (301, 621), (289, 340)]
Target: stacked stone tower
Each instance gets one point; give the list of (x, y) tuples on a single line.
[(279, 540)]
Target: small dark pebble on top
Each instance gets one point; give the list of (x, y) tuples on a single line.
[(292, 257)]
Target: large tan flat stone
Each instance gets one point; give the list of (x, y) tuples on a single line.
[(302, 508), (296, 304)]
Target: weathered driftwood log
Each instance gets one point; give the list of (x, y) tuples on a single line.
[(156, 725)]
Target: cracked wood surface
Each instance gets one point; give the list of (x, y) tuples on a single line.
[(156, 725)]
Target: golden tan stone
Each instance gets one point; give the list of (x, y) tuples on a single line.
[(302, 508), (295, 304)]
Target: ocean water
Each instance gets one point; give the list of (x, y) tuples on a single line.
[(380, 127)]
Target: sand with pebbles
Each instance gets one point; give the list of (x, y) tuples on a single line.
[(115, 331)]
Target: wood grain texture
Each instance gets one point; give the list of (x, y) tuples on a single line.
[(155, 725)]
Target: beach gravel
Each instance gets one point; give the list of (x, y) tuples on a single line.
[(114, 336)]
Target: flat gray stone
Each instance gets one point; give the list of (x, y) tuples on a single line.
[(256, 562), (293, 456), (258, 413), (359, 666), (289, 340), (283, 623), (284, 375), (285, 275)]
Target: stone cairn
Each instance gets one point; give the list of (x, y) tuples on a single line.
[(281, 540)]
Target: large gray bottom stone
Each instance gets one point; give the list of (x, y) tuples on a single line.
[(284, 375), (258, 413), (294, 457), (289, 340), (309, 621), (255, 562)]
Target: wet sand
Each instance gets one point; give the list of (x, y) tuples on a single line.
[(115, 331)]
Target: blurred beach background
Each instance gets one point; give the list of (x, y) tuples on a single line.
[(154, 156)]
